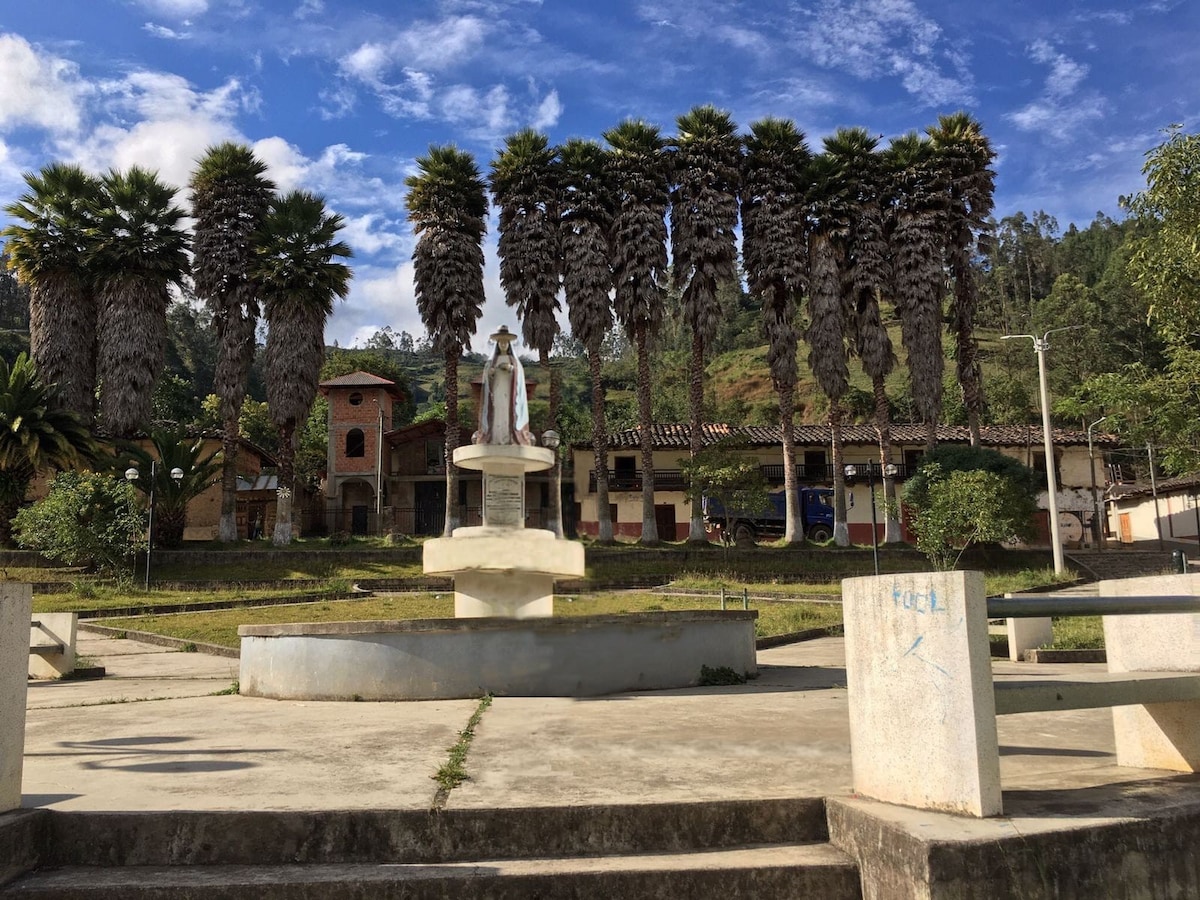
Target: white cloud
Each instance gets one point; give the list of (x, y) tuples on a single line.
[(310, 8), (547, 113), (174, 124), (176, 9), (887, 38), (1057, 112), (169, 34), (39, 89)]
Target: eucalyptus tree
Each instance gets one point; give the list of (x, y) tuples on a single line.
[(139, 251), (828, 356), (447, 205), (48, 247), (868, 273), (916, 226), (586, 222), (524, 182), (706, 170), (230, 198), (964, 155), (36, 433), (299, 273), (775, 256), (638, 169)]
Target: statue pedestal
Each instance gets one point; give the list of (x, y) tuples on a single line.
[(501, 568)]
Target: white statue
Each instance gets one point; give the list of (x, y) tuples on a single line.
[(504, 407)]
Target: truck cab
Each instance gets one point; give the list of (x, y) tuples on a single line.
[(816, 516)]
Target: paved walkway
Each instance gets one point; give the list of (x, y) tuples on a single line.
[(155, 734)]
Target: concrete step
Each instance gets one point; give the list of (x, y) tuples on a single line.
[(763, 872), (280, 837)]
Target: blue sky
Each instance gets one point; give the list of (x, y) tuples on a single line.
[(340, 96)]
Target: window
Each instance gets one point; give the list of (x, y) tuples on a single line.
[(624, 473), (435, 454), (814, 465), (356, 399), (356, 444)]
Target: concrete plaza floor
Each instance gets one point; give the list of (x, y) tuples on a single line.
[(155, 734)]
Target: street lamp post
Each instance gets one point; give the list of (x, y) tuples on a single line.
[(132, 475), (1097, 530), (550, 440), (1040, 345), (851, 471)]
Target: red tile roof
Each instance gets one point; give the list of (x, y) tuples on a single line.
[(673, 436)]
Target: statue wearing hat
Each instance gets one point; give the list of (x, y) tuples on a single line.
[(504, 407)]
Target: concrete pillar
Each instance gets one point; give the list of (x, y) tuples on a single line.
[(922, 706), (1027, 634), (16, 604), (53, 628), (1156, 735)]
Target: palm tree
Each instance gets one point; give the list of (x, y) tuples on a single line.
[(965, 157), (36, 433), (230, 198), (639, 178), (775, 252), (860, 171), (447, 204), (525, 188), (826, 333), (171, 449), (139, 251), (49, 252), (915, 229), (586, 223), (299, 276), (706, 164)]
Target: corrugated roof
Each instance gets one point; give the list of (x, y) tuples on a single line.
[(258, 483), (357, 379), (672, 436), (1182, 484)]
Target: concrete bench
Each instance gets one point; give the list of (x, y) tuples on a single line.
[(1022, 633), (52, 645), (924, 701)]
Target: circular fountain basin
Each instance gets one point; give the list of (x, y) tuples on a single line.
[(444, 659), (508, 458)]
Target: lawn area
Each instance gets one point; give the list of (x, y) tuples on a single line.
[(220, 626), (105, 597)]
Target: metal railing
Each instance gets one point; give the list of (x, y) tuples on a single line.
[(1029, 606), (673, 480)]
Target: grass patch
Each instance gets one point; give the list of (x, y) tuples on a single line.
[(719, 676), (104, 597), (453, 771), (1078, 633)]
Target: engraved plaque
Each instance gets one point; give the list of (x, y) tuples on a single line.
[(504, 500)]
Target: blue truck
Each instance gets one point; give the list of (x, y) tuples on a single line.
[(816, 516)]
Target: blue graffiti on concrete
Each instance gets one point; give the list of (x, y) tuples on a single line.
[(920, 602)]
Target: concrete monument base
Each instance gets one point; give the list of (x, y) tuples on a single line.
[(445, 659)]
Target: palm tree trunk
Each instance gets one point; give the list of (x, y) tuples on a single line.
[(841, 529), (555, 511), (451, 441), (604, 525), (227, 530), (793, 529), (883, 425), (645, 424), (696, 533), (970, 376), (282, 534)]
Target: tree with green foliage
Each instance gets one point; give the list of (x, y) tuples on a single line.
[(139, 252), (964, 458), (959, 509), (170, 449), (299, 272), (36, 433), (230, 196), (725, 473), (964, 155), (49, 246), (86, 519), (774, 247), (1166, 264), (638, 172), (447, 205), (586, 209), (706, 163)]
